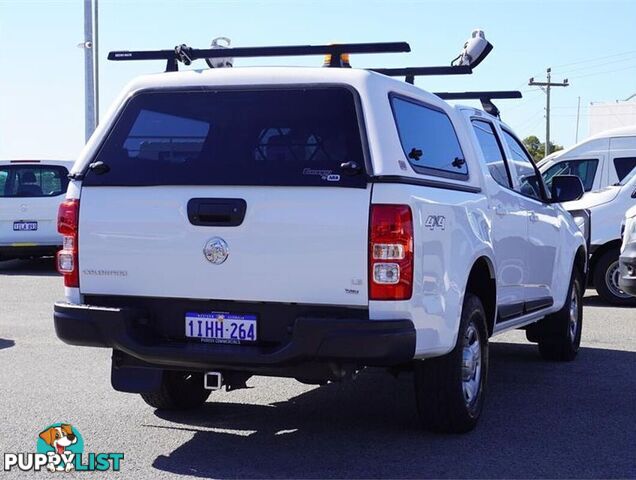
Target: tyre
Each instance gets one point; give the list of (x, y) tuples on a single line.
[(450, 389), (559, 334), (178, 391), (605, 278)]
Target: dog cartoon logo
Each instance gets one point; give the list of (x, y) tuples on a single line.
[(60, 448), (60, 443)]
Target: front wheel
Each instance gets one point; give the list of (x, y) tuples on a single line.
[(606, 275), (559, 334), (450, 389)]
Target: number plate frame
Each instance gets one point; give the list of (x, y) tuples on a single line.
[(25, 226), (222, 327)]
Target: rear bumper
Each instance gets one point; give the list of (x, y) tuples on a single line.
[(11, 252), (627, 265), (307, 339)]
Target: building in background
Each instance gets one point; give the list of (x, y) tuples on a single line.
[(606, 115)]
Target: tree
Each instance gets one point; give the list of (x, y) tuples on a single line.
[(536, 148)]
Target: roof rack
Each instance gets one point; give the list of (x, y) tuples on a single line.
[(186, 54), (484, 97), (474, 51), (409, 73)]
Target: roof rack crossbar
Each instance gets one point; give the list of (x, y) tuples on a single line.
[(411, 72), (479, 95), (484, 97), (185, 54)]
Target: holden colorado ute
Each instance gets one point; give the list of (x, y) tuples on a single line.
[(309, 223)]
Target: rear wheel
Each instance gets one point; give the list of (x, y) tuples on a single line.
[(450, 389), (606, 275), (178, 391), (559, 334)]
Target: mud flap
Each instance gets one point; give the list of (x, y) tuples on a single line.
[(135, 379)]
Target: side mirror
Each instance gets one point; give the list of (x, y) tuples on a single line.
[(566, 188)]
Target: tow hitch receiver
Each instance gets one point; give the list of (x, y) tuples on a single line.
[(213, 380)]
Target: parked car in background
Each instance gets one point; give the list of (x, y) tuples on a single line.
[(627, 260), (599, 161), (607, 209), (30, 194)]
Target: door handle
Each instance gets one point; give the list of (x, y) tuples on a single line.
[(533, 217), (500, 210), (216, 212)]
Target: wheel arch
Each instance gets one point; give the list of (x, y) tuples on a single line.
[(481, 282), (581, 261)]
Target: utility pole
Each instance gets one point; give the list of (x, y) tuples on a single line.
[(578, 115), (91, 68), (545, 86)]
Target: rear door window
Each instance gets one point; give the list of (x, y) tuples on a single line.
[(4, 175), (429, 140), (33, 180), (492, 152), (287, 137), (584, 169)]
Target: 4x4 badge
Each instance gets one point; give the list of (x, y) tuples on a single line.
[(216, 250)]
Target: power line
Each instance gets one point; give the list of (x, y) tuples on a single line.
[(629, 52), (590, 67), (604, 72), (532, 118)]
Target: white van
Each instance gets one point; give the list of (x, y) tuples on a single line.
[(607, 209), (599, 161), (30, 194)]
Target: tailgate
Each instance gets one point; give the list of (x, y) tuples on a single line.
[(278, 173), (305, 245)]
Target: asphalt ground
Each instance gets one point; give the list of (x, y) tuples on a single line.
[(549, 420)]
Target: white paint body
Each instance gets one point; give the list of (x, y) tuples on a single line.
[(308, 245), (608, 208), (628, 226), (33, 209), (604, 147)]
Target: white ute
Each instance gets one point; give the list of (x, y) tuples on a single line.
[(309, 223), (30, 194)]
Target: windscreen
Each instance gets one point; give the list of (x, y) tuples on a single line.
[(287, 137), (630, 176), (33, 180)]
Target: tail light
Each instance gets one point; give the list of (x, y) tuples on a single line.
[(390, 252), (67, 258)]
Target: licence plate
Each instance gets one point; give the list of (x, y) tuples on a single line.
[(221, 327), (25, 226)]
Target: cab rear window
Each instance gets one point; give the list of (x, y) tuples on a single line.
[(287, 137), (33, 180), (429, 140)]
